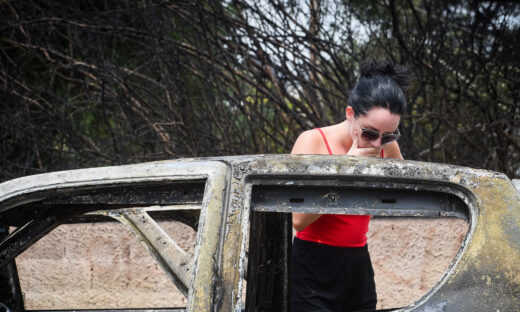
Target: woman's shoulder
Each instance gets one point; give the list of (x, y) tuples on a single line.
[(309, 142)]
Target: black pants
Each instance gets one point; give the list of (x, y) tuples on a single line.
[(328, 278)]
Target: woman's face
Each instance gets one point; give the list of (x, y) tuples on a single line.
[(377, 119)]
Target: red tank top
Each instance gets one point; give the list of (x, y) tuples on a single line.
[(337, 230)]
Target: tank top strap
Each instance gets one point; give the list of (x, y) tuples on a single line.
[(324, 139)]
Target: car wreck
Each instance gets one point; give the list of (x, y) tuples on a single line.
[(241, 206)]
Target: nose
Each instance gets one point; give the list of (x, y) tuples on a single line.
[(377, 142)]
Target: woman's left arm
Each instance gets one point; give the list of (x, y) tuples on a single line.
[(392, 150)]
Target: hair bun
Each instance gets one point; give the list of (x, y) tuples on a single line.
[(398, 73)]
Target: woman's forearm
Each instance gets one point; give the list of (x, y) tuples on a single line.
[(302, 220)]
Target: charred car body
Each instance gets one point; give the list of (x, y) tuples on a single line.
[(240, 207)]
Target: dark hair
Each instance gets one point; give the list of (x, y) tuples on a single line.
[(381, 84)]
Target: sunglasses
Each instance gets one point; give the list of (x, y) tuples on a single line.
[(371, 135)]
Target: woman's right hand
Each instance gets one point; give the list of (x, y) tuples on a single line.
[(355, 150)]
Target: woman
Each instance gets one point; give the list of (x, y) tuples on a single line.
[(331, 268)]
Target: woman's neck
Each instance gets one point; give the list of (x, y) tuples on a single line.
[(341, 133)]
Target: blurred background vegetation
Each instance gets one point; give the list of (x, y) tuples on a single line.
[(90, 83)]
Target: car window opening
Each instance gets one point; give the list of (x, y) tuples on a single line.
[(413, 239)]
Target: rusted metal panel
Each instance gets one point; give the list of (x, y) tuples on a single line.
[(346, 199), (179, 192), (269, 262)]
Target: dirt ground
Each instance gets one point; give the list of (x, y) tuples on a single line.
[(91, 266)]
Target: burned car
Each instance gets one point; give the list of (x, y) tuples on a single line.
[(240, 208)]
